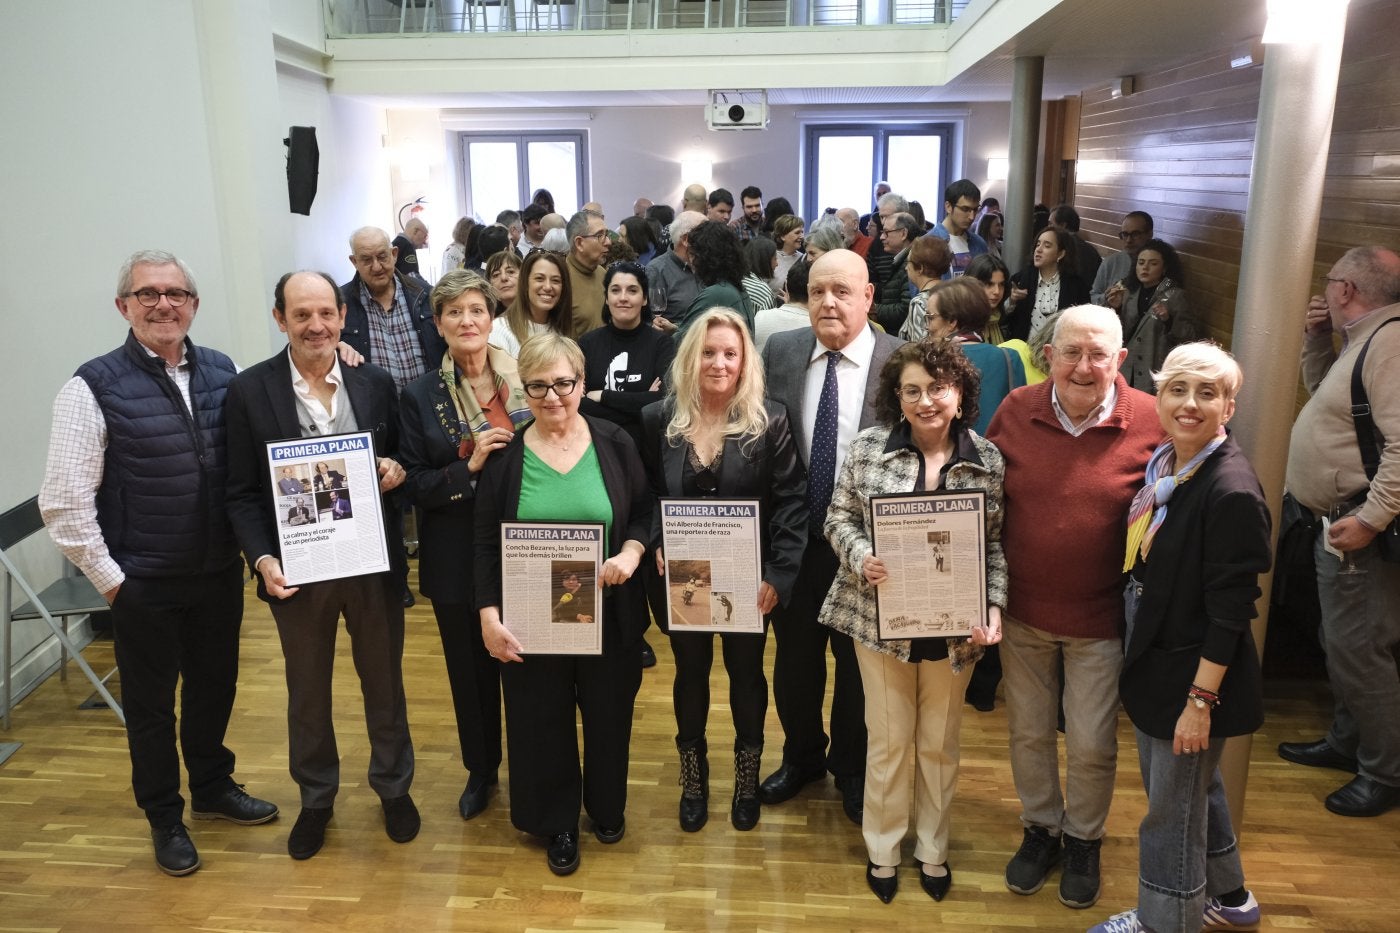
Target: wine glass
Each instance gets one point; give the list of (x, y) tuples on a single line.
[(1335, 514)]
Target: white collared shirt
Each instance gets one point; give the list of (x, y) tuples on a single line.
[(321, 417), (852, 374), (1095, 418)]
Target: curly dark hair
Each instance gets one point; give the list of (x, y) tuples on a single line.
[(945, 362), (1171, 263), (716, 254)]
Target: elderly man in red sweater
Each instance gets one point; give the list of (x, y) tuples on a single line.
[(1076, 449)]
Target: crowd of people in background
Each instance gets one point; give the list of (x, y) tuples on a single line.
[(569, 369)]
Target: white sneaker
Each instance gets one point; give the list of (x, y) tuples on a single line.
[(1219, 917)]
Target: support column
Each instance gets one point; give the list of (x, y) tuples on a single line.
[(1296, 100), (1020, 155)]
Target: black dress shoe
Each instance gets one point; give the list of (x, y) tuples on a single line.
[(852, 797), (1319, 754), (408, 599), (648, 656), (308, 832), (562, 853), (782, 785), (236, 807), (175, 853), (1363, 797), (936, 886), (401, 819), (982, 702), (476, 795), (609, 836), (884, 888)]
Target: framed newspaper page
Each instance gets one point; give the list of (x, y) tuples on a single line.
[(551, 598), (934, 545), (329, 517), (713, 564)]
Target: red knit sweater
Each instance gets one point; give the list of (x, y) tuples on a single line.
[(1067, 500)]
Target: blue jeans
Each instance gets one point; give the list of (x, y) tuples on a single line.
[(1186, 846), (1360, 632)]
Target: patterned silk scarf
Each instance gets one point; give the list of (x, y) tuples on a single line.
[(1149, 508)]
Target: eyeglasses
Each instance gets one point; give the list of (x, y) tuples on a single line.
[(562, 388), (1072, 355), (1131, 234), (379, 259), (149, 297), (913, 394), (965, 208), (1328, 278), (601, 236)]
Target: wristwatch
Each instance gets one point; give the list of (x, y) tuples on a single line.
[(1200, 704)]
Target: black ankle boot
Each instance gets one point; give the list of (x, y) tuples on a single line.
[(695, 785), (744, 812)]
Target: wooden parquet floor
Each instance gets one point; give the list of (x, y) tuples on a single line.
[(75, 854)]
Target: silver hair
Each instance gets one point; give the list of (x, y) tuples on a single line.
[(897, 201), (578, 224), (368, 231), (152, 257), (555, 240), (685, 222), (1091, 315), (1376, 280)]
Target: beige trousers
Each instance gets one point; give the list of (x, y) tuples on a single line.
[(912, 713)]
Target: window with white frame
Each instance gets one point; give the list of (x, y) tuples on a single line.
[(503, 170), (844, 161)]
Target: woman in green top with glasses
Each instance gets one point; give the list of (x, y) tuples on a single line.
[(566, 467)]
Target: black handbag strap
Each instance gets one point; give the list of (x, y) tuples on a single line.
[(1361, 418)]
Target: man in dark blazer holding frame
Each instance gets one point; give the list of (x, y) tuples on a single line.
[(840, 358), (305, 392)]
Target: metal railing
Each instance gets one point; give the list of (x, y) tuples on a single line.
[(353, 18)]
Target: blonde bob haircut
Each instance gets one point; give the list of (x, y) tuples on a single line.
[(1205, 360), (544, 350), (745, 417)]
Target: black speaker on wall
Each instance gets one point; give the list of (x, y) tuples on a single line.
[(303, 164)]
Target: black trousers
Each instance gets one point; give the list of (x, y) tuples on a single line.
[(541, 694), (308, 624), (748, 686), (799, 675), (181, 629), (475, 678)]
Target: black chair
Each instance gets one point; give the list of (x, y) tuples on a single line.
[(70, 595)]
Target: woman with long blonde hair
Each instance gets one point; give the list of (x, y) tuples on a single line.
[(717, 437)]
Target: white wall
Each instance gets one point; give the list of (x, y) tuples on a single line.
[(139, 125), (637, 151), (352, 189)]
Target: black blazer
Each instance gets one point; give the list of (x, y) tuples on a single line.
[(498, 498), (770, 472), (261, 407), (1199, 586), (441, 486), (1016, 325)]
